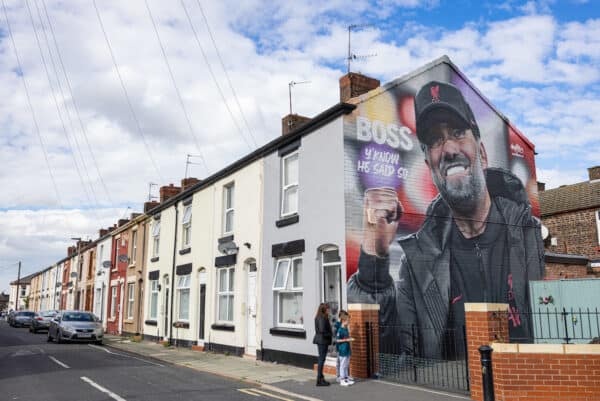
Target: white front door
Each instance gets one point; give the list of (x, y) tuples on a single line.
[(251, 312)]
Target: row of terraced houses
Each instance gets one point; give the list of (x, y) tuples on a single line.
[(239, 261)]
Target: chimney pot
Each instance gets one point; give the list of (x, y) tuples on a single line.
[(354, 84), (292, 122), (594, 173), (167, 192), (541, 186), (150, 205), (188, 182)]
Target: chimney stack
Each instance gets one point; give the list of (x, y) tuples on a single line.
[(122, 222), (594, 173), (167, 192), (150, 205), (188, 182), (102, 232), (541, 186), (354, 84), (292, 122)]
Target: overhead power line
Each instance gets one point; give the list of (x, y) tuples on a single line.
[(64, 128), (212, 74), (235, 96), (76, 108), (129, 104), (37, 127), (182, 104)]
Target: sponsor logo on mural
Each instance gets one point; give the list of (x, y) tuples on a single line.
[(517, 150)]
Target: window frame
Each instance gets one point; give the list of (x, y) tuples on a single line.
[(290, 288), (134, 246), (228, 207), (186, 227), (154, 292), (181, 287), (155, 238), (597, 214), (130, 299), (286, 187), (113, 301), (228, 292)]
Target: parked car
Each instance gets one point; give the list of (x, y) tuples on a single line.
[(22, 318), (41, 320), (10, 317), (75, 326)]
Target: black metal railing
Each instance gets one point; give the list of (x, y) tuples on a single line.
[(423, 356), (561, 325)]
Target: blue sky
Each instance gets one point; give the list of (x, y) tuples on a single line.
[(537, 61)]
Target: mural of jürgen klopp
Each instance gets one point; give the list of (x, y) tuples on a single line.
[(479, 241)]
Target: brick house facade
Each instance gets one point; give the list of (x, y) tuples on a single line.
[(572, 215)]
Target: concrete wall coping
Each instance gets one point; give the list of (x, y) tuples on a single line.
[(357, 307), (483, 307), (567, 349)]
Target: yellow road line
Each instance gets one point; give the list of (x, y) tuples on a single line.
[(257, 393), (247, 391)]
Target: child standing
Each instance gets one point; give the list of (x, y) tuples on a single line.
[(344, 352), (336, 327)]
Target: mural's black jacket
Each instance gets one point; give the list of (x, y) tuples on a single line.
[(421, 296)]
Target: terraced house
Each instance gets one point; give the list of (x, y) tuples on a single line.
[(239, 261)]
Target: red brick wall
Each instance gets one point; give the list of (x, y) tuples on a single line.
[(576, 233), (485, 323), (548, 377), (556, 271), (360, 314), (528, 372)]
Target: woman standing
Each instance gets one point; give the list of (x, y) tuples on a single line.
[(322, 338)]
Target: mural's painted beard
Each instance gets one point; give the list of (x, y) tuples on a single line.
[(462, 193)]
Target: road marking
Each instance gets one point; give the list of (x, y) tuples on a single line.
[(104, 390), (125, 355), (260, 392), (64, 365), (247, 391), (288, 393), (422, 389)]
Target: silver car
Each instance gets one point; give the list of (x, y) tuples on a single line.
[(41, 320), (22, 319), (75, 326)]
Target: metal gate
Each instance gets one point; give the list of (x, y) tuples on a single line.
[(412, 361)]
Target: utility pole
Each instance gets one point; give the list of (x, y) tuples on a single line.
[(18, 286)]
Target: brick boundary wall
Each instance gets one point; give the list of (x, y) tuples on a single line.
[(485, 323), (524, 372), (360, 314)]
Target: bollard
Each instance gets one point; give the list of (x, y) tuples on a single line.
[(487, 375)]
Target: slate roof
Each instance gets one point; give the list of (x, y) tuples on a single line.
[(584, 195)]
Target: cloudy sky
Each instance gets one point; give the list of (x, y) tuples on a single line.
[(107, 97)]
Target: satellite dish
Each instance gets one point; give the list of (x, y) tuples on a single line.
[(545, 232), (123, 258), (228, 248), (106, 264)]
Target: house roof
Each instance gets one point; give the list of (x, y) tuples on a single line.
[(568, 198), (24, 280)]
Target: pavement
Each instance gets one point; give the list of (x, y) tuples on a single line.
[(290, 382)]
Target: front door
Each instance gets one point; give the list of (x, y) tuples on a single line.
[(202, 309), (251, 315), (166, 325)]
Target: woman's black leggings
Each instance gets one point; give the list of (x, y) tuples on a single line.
[(321, 361)]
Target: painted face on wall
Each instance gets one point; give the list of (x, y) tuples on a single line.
[(456, 159)]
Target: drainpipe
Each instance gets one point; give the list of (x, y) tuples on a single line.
[(141, 282), (173, 274)]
